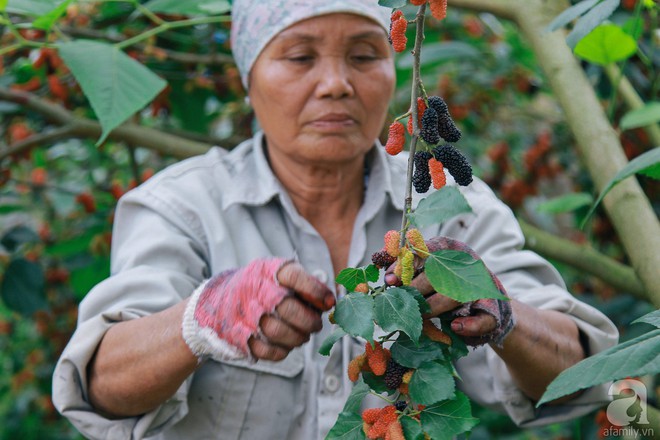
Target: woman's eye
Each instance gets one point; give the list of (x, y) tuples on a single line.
[(301, 59)]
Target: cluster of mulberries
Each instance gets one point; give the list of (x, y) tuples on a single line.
[(437, 171), (382, 259), (429, 131), (398, 26), (396, 138), (457, 164), (439, 123), (374, 359), (382, 423), (394, 374), (421, 179)]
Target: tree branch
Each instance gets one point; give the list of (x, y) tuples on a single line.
[(583, 258), (502, 8), (163, 143)]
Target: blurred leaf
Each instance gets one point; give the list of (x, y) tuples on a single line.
[(647, 164), (431, 383), (392, 3), (459, 276), (351, 277), (633, 358), (590, 20), (328, 342), (570, 14), (347, 427), (412, 429), (412, 355), (46, 21), (358, 392), (83, 279), (18, 235), (606, 44), (354, 313), (75, 245), (376, 383), (566, 203), (641, 117), (445, 419), (438, 52), (31, 7), (395, 309), (116, 85), (652, 318), (3, 5), (189, 7), (438, 207), (23, 287), (6, 209)]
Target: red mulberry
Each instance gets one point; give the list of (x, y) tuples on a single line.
[(392, 242), (429, 131), (438, 8), (434, 333), (386, 417), (398, 34), (437, 171), (395, 431), (396, 138), (377, 358), (382, 259), (421, 107), (418, 2), (457, 164), (355, 366)]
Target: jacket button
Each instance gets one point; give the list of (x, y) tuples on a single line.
[(331, 383)]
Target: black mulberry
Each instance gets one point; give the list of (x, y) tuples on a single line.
[(438, 104), (429, 131), (422, 177), (447, 129), (394, 374), (400, 405), (457, 164), (382, 259)]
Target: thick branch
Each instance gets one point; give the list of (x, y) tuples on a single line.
[(584, 258), (132, 134), (501, 8)]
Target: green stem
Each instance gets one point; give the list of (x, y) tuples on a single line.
[(147, 13)]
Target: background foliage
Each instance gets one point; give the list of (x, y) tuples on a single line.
[(60, 176)]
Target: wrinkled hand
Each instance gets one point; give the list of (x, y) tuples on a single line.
[(477, 322), (261, 311)]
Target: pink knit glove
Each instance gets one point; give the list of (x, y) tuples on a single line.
[(498, 309), (224, 312)]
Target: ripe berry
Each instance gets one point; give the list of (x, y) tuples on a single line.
[(421, 107), (394, 374), (398, 34), (438, 8), (382, 259), (437, 173), (395, 138), (421, 178), (429, 131), (438, 104), (457, 164), (400, 405), (447, 129)]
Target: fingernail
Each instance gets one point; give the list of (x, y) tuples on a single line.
[(457, 327)]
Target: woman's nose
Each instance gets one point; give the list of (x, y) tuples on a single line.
[(334, 80)]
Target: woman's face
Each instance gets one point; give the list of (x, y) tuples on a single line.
[(320, 89)]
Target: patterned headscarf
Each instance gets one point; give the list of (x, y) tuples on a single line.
[(256, 22)]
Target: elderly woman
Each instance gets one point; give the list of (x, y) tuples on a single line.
[(223, 265)]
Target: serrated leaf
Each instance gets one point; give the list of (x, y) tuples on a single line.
[(189, 7), (352, 276), (459, 276), (431, 383), (439, 207), (354, 401), (636, 357), (424, 306), (646, 163), (392, 3), (566, 203), (647, 115), (116, 85), (355, 314), (328, 342), (590, 20), (23, 287), (412, 355), (46, 21), (445, 419), (18, 235), (570, 14), (347, 427), (606, 44), (395, 309), (376, 383), (412, 428), (652, 318)]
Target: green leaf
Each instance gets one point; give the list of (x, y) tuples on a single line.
[(376, 383), (431, 383), (652, 318), (590, 20), (17, 236), (395, 309), (355, 314), (445, 419), (395, 4), (435, 53), (424, 306), (83, 279), (570, 14), (189, 7), (566, 203), (327, 344), (46, 21), (440, 206), (412, 355), (641, 117), (33, 8), (636, 357), (459, 276), (412, 428), (75, 245), (6, 209), (351, 277), (347, 427), (22, 287), (116, 85), (354, 401), (3, 5), (646, 163), (606, 44)]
